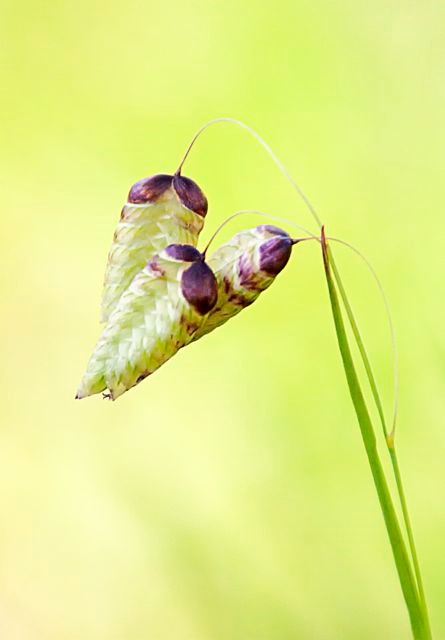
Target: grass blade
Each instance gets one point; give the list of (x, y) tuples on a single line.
[(389, 438), (403, 565)]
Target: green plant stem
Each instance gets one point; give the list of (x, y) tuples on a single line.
[(403, 565), (359, 341), (407, 520), (389, 437)]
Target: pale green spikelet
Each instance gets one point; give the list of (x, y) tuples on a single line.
[(244, 267), (158, 314), (161, 210)]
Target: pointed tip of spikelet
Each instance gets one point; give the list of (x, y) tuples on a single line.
[(90, 385)]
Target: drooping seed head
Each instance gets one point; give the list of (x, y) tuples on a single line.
[(157, 315), (244, 267), (161, 210), (153, 188)]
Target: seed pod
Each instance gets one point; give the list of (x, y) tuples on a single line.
[(158, 314), (244, 267), (161, 210)]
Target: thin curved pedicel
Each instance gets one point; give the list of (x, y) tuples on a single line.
[(156, 316), (161, 210), (244, 267)]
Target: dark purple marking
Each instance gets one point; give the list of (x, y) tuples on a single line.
[(190, 195), (227, 284), (271, 229), (154, 266), (245, 270), (199, 287), (149, 189), (190, 327), (239, 300), (183, 252), (249, 277), (275, 254)]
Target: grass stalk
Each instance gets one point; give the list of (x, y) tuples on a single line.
[(389, 437), (407, 580), (412, 588)]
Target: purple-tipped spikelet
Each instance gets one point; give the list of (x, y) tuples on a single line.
[(161, 210), (244, 267), (159, 313)]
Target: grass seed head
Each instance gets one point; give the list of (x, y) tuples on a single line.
[(161, 210), (157, 315), (244, 267)]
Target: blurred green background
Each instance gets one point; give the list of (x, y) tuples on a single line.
[(228, 496)]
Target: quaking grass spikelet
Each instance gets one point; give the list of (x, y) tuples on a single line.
[(161, 210), (244, 267), (158, 314)]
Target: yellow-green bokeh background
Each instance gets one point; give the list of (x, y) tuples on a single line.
[(228, 497)]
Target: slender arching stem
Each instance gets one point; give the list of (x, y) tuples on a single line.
[(265, 146)]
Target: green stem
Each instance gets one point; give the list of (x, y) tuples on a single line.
[(407, 520), (389, 438), (359, 341), (403, 565)]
